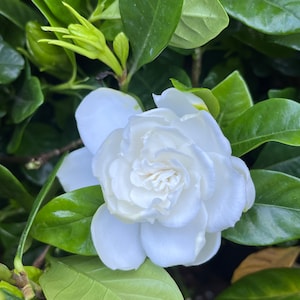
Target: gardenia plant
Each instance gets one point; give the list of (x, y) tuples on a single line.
[(169, 181)]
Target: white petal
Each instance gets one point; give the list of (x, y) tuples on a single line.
[(76, 170), (101, 112), (167, 246), (203, 129), (210, 248), (117, 244), (182, 103), (226, 205), (250, 189)]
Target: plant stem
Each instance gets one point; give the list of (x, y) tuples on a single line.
[(18, 264)]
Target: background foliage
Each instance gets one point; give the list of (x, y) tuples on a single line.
[(241, 57)]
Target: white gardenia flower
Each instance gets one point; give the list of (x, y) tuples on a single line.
[(168, 178)]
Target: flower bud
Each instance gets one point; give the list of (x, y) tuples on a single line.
[(47, 58), (121, 48)]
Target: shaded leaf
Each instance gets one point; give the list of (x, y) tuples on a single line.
[(200, 22), (65, 221), (274, 217), (270, 120), (279, 157), (272, 17), (18, 12), (28, 100), (234, 98), (269, 284), (149, 25), (11, 63), (12, 188), (86, 278), (266, 259)]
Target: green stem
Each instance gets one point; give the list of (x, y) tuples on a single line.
[(18, 264)]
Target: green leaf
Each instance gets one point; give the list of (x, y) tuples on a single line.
[(200, 22), (275, 215), (28, 100), (279, 157), (234, 98), (18, 12), (78, 277), (9, 292), (206, 95), (65, 221), (291, 40), (289, 93), (146, 82), (272, 17), (270, 120), (11, 188), (149, 25), (271, 284), (11, 63)]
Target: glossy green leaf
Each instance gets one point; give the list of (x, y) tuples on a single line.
[(291, 40), (275, 216), (11, 188), (65, 221), (9, 292), (200, 22), (289, 93), (270, 120), (29, 98), (271, 284), (272, 17), (149, 25), (233, 96), (206, 95), (145, 82), (87, 278), (11, 63), (279, 157), (18, 12)]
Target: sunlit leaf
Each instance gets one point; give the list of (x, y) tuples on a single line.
[(274, 217), (272, 17), (266, 259), (65, 221), (78, 277), (270, 120), (200, 22), (233, 96), (149, 25), (272, 284)]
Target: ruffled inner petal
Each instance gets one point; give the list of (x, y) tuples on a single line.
[(101, 112), (117, 243), (76, 170)]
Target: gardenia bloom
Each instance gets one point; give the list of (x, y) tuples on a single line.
[(168, 178)]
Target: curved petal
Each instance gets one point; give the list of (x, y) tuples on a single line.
[(226, 205), (76, 170), (203, 129), (117, 244), (210, 248), (166, 246), (101, 112), (250, 188), (182, 103)]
